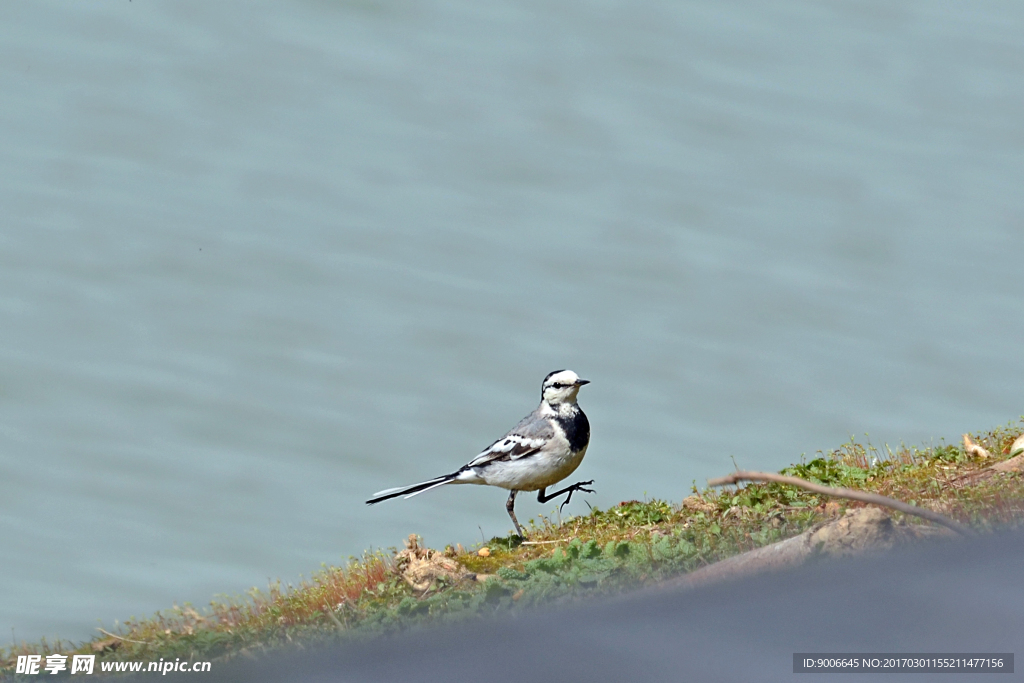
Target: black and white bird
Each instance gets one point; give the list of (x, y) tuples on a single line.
[(543, 449)]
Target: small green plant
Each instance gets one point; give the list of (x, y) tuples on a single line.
[(606, 551)]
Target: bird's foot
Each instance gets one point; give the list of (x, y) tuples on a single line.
[(578, 486)]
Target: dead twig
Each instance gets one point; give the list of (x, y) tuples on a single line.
[(337, 622), (557, 540), (127, 640), (839, 492)]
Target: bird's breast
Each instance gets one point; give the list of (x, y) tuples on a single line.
[(577, 430)]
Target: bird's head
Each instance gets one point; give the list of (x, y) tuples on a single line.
[(561, 386)]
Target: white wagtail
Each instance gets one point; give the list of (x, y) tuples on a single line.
[(544, 448)]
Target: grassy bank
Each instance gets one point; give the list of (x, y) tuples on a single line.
[(632, 544)]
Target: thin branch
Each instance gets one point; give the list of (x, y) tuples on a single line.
[(127, 640), (337, 622), (838, 492), (560, 540)]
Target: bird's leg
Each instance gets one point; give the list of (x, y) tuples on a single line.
[(510, 506), (578, 486)]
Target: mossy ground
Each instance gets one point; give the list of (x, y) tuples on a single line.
[(632, 544)]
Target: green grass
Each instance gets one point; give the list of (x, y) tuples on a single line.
[(632, 544)]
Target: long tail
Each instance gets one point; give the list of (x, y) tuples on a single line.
[(410, 491)]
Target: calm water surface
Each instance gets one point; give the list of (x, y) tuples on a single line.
[(260, 260)]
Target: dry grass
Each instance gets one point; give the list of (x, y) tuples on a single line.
[(633, 543)]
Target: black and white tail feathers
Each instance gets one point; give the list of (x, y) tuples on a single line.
[(410, 491)]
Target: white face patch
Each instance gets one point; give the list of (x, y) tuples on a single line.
[(565, 377), (561, 387)]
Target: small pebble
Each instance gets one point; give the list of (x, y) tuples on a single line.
[(484, 552)]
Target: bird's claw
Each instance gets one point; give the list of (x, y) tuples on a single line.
[(578, 486)]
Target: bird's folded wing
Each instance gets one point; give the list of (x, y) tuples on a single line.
[(528, 437)]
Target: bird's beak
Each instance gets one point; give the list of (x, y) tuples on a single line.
[(581, 382)]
